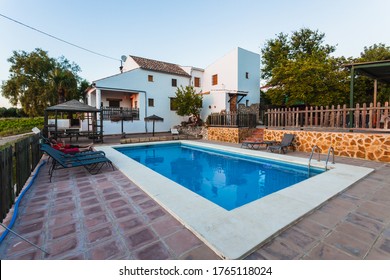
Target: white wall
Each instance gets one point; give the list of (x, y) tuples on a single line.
[(226, 69), (160, 90), (129, 64), (249, 62), (231, 70)]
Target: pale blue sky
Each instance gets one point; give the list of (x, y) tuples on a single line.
[(195, 32)]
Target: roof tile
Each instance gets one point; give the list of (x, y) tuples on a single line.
[(159, 66)]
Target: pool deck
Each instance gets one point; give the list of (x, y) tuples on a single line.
[(83, 216)]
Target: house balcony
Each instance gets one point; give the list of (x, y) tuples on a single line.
[(120, 113)]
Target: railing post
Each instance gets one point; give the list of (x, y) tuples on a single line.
[(306, 116), (332, 116), (378, 115), (345, 111), (338, 116), (357, 117), (364, 116), (386, 116)]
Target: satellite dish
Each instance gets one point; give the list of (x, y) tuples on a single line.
[(123, 57)]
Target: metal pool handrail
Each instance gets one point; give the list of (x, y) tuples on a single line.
[(327, 158), (315, 147)]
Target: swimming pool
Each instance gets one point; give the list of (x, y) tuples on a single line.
[(226, 179), (236, 233)]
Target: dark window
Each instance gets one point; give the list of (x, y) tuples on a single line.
[(215, 80), (114, 103), (172, 104), (174, 82), (197, 82), (151, 102), (150, 78)]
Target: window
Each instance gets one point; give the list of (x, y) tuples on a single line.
[(247, 75), (215, 80), (174, 82), (150, 78), (197, 82), (114, 103), (172, 104), (151, 102)]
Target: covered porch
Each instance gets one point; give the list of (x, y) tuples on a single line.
[(121, 108)]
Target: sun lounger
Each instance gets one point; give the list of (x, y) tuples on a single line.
[(92, 161), (47, 147), (284, 144), (255, 145)]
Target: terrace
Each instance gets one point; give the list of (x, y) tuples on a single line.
[(106, 216)]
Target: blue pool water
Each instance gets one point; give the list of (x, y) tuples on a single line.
[(228, 180)]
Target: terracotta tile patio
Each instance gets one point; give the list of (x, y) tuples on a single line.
[(106, 216)]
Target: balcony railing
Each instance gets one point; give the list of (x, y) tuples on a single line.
[(118, 114), (360, 117), (231, 119)]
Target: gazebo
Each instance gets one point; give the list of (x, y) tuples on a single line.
[(377, 70), (95, 126)]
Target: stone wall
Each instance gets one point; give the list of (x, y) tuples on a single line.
[(227, 134), (356, 145)]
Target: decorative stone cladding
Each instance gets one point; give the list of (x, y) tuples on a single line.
[(227, 134), (252, 109), (197, 131), (368, 146)]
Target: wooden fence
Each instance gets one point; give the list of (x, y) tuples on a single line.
[(231, 119), (17, 161), (360, 117)]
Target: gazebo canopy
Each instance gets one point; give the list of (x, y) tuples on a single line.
[(72, 106), (379, 70), (75, 106)]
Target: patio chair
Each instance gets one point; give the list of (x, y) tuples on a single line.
[(91, 162), (284, 144), (174, 131), (255, 145), (83, 154)]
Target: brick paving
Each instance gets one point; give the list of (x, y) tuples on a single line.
[(106, 216)]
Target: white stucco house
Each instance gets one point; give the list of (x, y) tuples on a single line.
[(146, 87)]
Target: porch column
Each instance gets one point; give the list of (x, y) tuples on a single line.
[(98, 98), (351, 97)]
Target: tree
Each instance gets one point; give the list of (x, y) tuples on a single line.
[(300, 70), (37, 81), (188, 102)]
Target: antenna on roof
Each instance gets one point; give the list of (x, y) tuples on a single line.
[(123, 59)]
